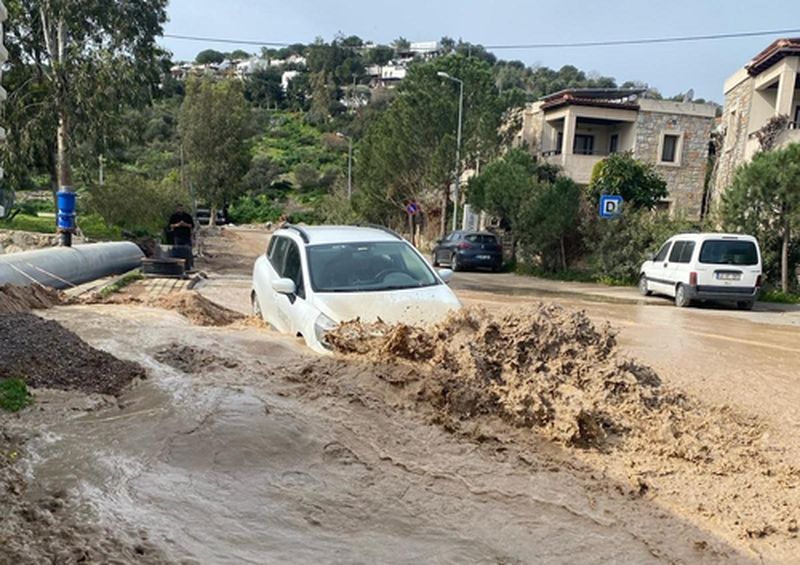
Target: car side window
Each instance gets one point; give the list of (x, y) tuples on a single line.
[(662, 253), (278, 253), (686, 254), (270, 246), (681, 252), (293, 269)]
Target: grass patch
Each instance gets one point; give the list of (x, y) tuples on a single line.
[(14, 395), (91, 225), (27, 222), (570, 275), (121, 283), (780, 297)]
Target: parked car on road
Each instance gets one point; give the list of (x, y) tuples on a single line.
[(469, 249), (312, 278), (204, 217), (705, 266)]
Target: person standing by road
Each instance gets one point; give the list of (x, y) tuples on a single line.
[(181, 224)]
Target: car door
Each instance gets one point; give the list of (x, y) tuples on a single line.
[(677, 270), (443, 250), (656, 270), (268, 269), (294, 309)]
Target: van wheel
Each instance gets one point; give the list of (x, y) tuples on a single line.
[(745, 305), (643, 290), (681, 297)]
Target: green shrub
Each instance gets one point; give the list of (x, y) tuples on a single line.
[(617, 247), (780, 297), (14, 395), (253, 209)]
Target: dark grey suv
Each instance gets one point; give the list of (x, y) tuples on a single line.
[(469, 249)]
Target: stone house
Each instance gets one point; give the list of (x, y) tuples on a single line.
[(577, 128), (764, 88)]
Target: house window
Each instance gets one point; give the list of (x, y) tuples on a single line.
[(796, 116), (584, 144), (669, 148), (559, 142), (613, 143)]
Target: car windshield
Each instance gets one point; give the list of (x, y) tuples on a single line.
[(728, 252), (367, 267)]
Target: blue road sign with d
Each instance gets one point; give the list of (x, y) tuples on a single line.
[(610, 206)]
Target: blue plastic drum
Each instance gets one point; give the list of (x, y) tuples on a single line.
[(66, 202)]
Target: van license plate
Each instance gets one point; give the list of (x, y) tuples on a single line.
[(729, 276)]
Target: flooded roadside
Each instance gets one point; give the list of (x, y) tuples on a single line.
[(260, 464)]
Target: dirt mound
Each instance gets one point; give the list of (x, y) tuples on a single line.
[(16, 299), (45, 354), (198, 309), (191, 359)]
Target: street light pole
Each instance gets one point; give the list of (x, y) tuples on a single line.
[(457, 183), (349, 168)]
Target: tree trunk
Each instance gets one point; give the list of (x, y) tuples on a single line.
[(785, 253), (563, 254), (63, 168), (445, 203)]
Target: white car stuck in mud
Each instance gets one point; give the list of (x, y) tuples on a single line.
[(313, 278)]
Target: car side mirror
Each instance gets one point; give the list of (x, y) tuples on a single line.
[(446, 275), (284, 286)]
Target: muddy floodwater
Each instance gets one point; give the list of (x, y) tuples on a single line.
[(242, 446), (237, 466)]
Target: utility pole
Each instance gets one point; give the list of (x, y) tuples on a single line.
[(457, 183), (350, 168), (102, 161)]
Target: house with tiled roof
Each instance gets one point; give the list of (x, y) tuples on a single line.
[(577, 128), (765, 88)]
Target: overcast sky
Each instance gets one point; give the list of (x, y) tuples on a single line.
[(671, 68)]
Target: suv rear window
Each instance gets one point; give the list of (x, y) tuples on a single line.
[(728, 252), (480, 238)]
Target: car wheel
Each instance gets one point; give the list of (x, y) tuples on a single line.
[(682, 297), (643, 288), (745, 305), (455, 264), (434, 260)]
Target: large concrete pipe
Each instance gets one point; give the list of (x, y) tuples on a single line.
[(62, 267)]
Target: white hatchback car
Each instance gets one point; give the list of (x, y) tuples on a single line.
[(705, 266), (313, 278)]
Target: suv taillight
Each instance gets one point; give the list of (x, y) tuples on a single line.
[(464, 245), (693, 279)]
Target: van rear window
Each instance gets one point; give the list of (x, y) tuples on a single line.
[(728, 252)]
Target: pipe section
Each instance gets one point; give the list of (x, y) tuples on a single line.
[(63, 267)]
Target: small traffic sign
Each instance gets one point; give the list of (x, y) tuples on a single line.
[(610, 205), (412, 208)]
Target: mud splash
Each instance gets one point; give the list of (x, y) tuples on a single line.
[(18, 299), (548, 369), (191, 359)]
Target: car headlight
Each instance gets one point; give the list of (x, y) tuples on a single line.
[(323, 325)]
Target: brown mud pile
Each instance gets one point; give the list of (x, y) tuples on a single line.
[(47, 355), (17, 299), (198, 309), (191, 359), (548, 369)]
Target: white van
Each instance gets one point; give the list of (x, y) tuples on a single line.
[(705, 266)]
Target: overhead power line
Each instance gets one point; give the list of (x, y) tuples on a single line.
[(579, 44), (644, 41)]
